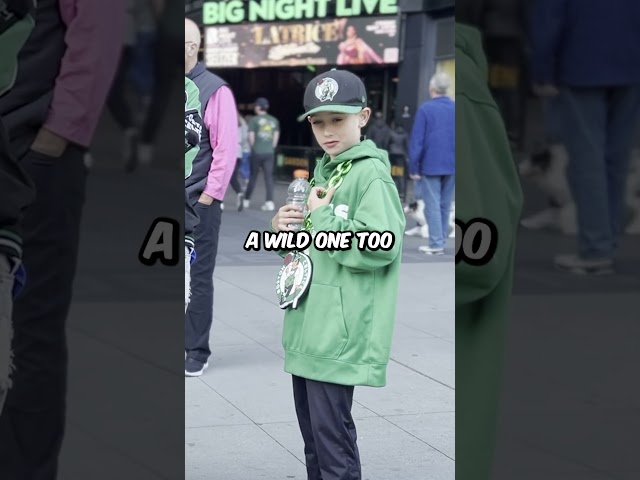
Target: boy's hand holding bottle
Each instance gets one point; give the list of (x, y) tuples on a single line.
[(288, 219)]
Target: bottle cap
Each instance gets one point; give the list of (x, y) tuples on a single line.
[(300, 173)]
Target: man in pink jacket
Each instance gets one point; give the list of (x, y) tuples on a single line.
[(212, 169), (64, 73)]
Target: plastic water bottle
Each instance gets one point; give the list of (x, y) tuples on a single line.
[(297, 195)]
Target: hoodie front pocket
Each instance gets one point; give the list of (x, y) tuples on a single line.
[(323, 332)]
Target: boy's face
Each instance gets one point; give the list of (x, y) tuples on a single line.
[(337, 132)]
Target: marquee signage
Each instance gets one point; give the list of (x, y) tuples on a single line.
[(338, 41), (237, 11)]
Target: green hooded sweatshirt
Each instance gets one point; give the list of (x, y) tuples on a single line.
[(487, 187), (341, 331)]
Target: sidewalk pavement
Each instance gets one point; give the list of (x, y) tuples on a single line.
[(570, 352), (240, 421)]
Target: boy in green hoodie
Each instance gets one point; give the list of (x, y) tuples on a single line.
[(339, 335)]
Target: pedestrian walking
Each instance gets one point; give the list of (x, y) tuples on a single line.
[(264, 134), (142, 74), (379, 132), (339, 334), (206, 187), (243, 142), (597, 82), (166, 66), (398, 155), (432, 159), (50, 116), (245, 166), (118, 99)]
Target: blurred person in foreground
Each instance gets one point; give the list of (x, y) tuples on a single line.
[(166, 71), (432, 160), (16, 189), (213, 166), (50, 116), (488, 188), (597, 79)]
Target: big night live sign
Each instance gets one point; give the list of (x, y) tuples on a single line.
[(237, 11)]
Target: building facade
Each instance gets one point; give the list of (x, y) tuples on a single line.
[(273, 48)]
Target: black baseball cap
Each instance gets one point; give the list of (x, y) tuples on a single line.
[(262, 102), (334, 91)]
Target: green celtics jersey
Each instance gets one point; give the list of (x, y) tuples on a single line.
[(192, 124), (14, 31)]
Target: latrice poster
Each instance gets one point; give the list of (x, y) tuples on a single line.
[(341, 41)]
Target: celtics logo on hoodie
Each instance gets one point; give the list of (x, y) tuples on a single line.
[(294, 279)]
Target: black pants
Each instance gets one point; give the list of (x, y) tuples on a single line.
[(32, 422), (235, 183), (328, 430), (117, 100), (190, 215), (266, 162), (167, 63), (200, 312)]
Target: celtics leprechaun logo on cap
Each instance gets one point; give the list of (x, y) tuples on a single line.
[(326, 89)]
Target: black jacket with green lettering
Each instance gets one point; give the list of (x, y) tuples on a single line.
[(192, 134), (16, 189)]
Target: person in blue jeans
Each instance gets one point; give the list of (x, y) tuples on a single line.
[(596, 81), (432, 154)]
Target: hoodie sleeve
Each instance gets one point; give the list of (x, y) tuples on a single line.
[(378, 210), (488, 188)]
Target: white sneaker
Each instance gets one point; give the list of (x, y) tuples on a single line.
[(431, 251), (540, 220), (574, 264), (246, 203), (412, 232), (268, 207)]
